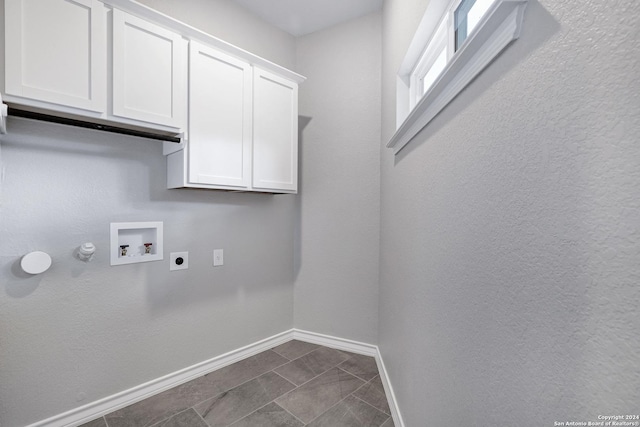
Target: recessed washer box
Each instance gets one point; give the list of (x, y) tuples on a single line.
[(133, 242)]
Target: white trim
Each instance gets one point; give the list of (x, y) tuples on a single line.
[(334, 342), (426, 62), (497, 29), (125, 398), (93, 410), (430, 21), (388, 390)]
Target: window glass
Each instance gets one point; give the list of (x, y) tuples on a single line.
[(467, 16), (435, 70)]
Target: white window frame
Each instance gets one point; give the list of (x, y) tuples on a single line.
[(438, 42), (415, 108)]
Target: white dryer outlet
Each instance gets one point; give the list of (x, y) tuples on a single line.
[(178, 261)]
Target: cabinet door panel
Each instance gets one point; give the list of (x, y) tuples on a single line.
[(275, 132), (56, 52), (219, 118), (147, 71)]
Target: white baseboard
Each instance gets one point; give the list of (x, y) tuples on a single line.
[(334, 342), (125, 398), (93, 410), (388, 389)]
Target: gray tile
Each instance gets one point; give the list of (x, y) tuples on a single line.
[(311, 365), (271, 415), (348, 353), (297, 371), (178, 399), (373, 393), (294, 349), (234, 375), (236, 403), (188, 418), (361, 366), (389, 423), (95, 423), (151, 410), (313, 398), (351, 412), (323, 359)]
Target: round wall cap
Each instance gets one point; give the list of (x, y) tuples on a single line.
[(35, 262)]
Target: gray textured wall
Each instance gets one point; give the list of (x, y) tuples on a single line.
[(336, 287), (80, 331), (509, 252), (232, 23), (510, 244)]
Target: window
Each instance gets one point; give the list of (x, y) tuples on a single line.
[(431, 64), (455, 41), (460, 19), (466, 18)]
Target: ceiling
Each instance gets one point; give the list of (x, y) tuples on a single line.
[(300, 17)]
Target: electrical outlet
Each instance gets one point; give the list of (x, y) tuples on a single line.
[(218, 257), (178, 261)]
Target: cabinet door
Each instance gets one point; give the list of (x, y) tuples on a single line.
[(56, 52), (148, 81), (219, 118), (275, 132)]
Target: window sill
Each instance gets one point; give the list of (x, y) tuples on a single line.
[(500, 27)]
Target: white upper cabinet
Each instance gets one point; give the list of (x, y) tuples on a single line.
[(148, 78), (120, 62), (275, 132), (219, 149), (55, 52), (243, 127)]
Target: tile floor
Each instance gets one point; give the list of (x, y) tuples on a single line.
[(294, 384)]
